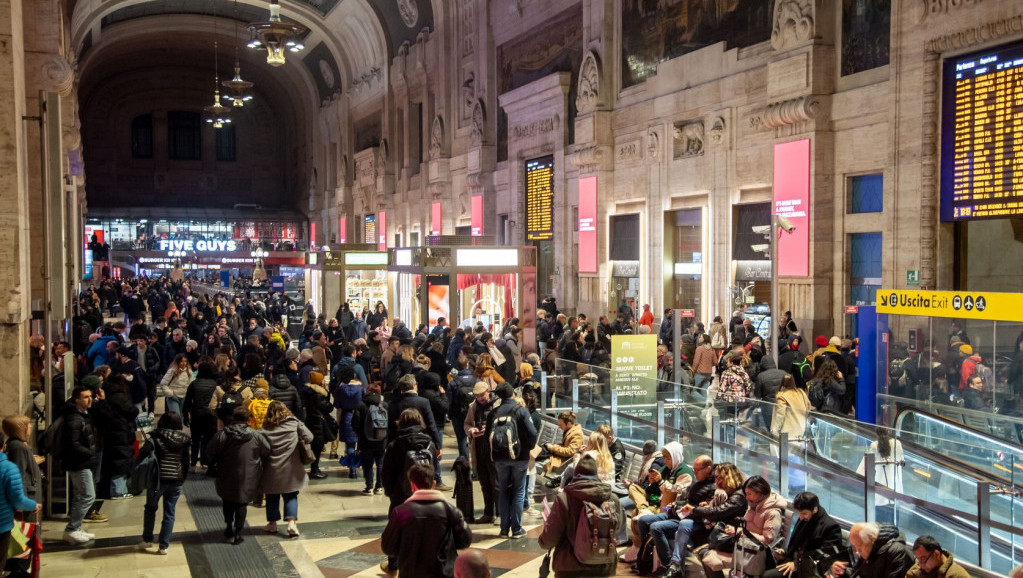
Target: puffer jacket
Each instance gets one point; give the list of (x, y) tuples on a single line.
[(239, 453), (559, 530), (175, 382), (81, 443), (12, 495), (283, 391), (730, 512), (317, 406), (172, 451), (197, 398), (359, 417), (392, 470), (890, 557), (764, 519), (417, 534)]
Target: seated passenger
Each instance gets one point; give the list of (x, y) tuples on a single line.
[(883, 552), (682, 526), (933, 562), (721, 517), (815, 543)]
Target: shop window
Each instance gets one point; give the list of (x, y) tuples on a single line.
[(864, 267), (184, 137), (866, 194), (625, 237), (866, 34), (142, 137), (226, 143)]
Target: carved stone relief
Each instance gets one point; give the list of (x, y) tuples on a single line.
[(468, 95), (437, 138), (628, 151), (718, 134), (688, 140), (653, 146), (409, 11), (793, 23), (468, 27), (478, 124), (791, 111), (588, 94)]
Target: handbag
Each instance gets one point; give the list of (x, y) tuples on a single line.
[(545, 565), (751, 556), (18, 543), (305, 452), (719, 540)]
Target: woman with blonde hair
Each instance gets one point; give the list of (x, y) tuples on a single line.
[(485, 371), (18, 429), (615, 447), (284, 474), (596, 446), (320, 359)]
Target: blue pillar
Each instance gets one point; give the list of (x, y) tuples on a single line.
[(866, 365)]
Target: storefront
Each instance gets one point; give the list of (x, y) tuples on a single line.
[(684, 261), (205, 264), (624, 280), (467, 285), (358, 275)]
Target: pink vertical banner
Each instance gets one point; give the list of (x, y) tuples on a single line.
[(342, 230), (588, 225), (382, 231), (435, 219), (312, 236), (792, 201), (477, 216)]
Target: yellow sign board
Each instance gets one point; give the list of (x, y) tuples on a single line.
[(983, 305)]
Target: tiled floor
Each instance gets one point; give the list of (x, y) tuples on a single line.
[(340, 538)]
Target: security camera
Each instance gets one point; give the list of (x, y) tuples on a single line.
[(762, 230), (785, 224), (765, 249)]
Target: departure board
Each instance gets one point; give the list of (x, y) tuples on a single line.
[(370, 229), (540, 199), (982, 135)]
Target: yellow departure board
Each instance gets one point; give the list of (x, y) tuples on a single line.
[(540, 199), (982, 135)]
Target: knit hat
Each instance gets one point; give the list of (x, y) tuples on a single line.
[(291, 354), (316, 377), (192, 343), (91, 381), (587, 466), (965, 349), (480, 387), (649, 447), (821, 341), (836, 341)]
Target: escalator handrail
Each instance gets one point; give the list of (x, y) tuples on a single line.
[(986, 437)]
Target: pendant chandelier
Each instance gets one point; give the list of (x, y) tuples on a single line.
[(216, 113), (237, 89), (276, 36)]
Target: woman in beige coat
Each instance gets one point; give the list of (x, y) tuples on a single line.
[(793, 404)]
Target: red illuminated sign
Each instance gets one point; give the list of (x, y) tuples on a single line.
[(382, 231), (342, 230), (435, 219), (588, 225), (852, 309), (689, 313), (477, 216), (792, 201), (312, 235)]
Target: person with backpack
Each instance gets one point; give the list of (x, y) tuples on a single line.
[(318, 420), (424, 534), (826, 388), (348, 360), (369, 421), (347, 398), (411, 445), (79, 452), (408, 397), (171, 447), (461, 386), (239, 453), (512, 435), (581, 526), (230, 395)]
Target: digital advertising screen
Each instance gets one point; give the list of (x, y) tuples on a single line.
[(540, 199), (982, 135)]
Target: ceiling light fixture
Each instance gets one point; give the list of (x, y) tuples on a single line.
[(216, 113), (276, 36), (238, 89)]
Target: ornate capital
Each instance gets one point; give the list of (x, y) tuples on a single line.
[(55, 73), (793, 23), (588, 158), (791, 111), (588, 97)]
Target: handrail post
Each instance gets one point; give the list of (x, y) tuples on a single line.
[(614, 409), (869, 489), (575, 395), (678, 405), (660, 424), (984, 524), (715, 424), (543, 392), (783, 464)]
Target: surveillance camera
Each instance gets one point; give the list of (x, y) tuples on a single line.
[(762, 229), (785, 224), (765, 249)]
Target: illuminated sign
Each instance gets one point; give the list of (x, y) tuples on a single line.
[(540, 199), (312, 234), (476, 213), (435, 219), (342, 230), (588, 225), (365, 258), (403, 257), (370, 228), (382, 231), (487, 257), (982, 130), (792, 201), (959, 304), (200, 245)]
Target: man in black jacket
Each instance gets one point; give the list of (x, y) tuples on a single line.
[(80, 457), (700, 492), (509, 417), (883, 552), (417, 531), (816, 541), (408, 397)]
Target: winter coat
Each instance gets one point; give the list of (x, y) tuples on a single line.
[(764, 519), (523, 424), (948, 569), (790, 413), (559, 530), (571, 441), (768, 383), (117, 415), (735, 385), (820, 538), (424, 534), (890, 557), (172, 452), (834, 389), (239, 453), (393, 468), (284, 471), (358, 423), (412, 400), (704, 359), (175, 382), (235, 388), (197, 398), (731, 511), (12, 495), (31, 479), (317, 409), (282, 390), (81, 444)]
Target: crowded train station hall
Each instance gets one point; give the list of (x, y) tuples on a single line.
[(474, 288)]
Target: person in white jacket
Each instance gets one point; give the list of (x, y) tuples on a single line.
[(175, 383)]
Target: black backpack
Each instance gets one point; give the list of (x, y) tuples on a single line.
[(504, 438), (645, 559), (415, 455), (229, 401), (463, 395)]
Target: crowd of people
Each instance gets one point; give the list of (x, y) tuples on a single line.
[(241, 404)]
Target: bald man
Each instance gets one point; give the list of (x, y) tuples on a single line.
[(472, 564)]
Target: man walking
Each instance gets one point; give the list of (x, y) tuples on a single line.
[(80, 458)]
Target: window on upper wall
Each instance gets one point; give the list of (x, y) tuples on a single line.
[(184, 136), (225, 143), (866, 194), (142, 137), (866, 31)]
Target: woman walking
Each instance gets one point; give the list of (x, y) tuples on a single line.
[(284, 474), (174, 384), (171, 447), (239, 453)]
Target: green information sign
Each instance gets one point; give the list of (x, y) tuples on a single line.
[(913, 278), (634, 371)]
